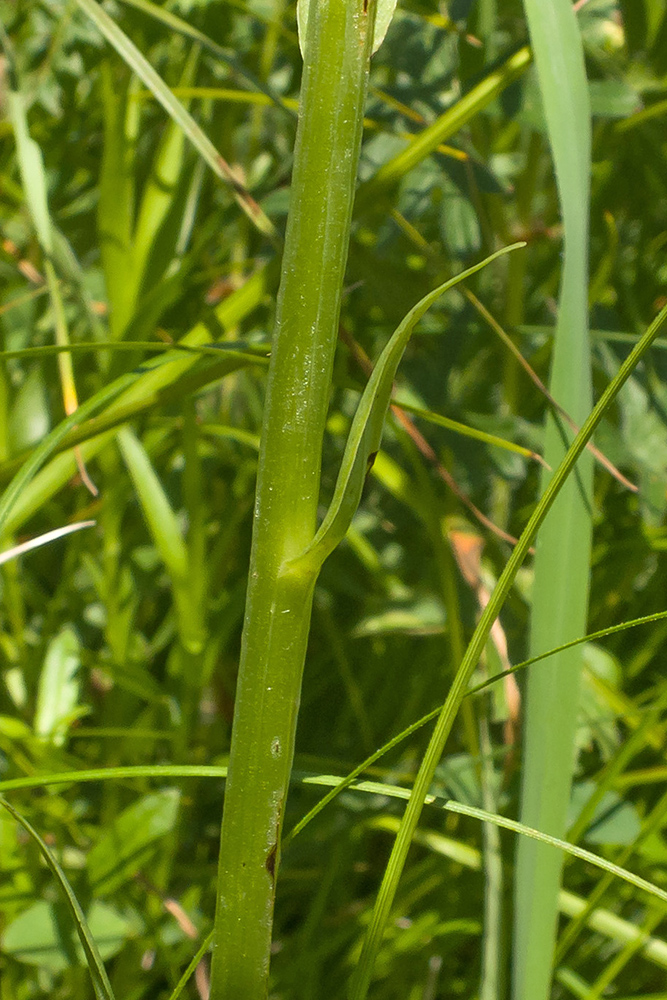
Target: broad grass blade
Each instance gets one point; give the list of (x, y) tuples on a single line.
[(560, 594)]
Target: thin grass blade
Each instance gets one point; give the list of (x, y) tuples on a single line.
[(96, 968), (363, 974)]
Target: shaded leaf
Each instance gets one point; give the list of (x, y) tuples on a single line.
[(130, 839), (35, 936), (59, 685)]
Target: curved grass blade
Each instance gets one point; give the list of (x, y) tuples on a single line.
[(471, 432), (166, 534), (367, 787), (448, 805), (96, 968), (602, 921), (395, 741), (113, 774), (189, 972), (143, 69), (162, 521), (458, 690), (256, 353), (366, 431)]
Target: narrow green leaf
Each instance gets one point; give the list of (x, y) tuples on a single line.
[(153, 379), (174, 23), (458, 689), (160, 190), (466, 431), (366, 431), (117, 195), (162, 522), (450, 121), (255, 353), (48, 446), (96, 968), (189, 972), (396, 792), (31, 167)]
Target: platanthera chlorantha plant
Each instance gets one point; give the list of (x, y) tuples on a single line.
[(288, 550)]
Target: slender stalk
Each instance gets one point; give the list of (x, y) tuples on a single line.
[(279, 600)]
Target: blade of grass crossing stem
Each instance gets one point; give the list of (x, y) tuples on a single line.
[(278, 606), (101, 983), (560, 590), (158, 771), (430, 716), (364, 971), (143, 69)]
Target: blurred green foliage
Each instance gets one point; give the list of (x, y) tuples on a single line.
[(150, 245)]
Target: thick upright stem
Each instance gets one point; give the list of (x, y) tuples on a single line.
[(279, 603)]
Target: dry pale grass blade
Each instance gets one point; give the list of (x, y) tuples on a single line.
[(467, 547), (39, 540)]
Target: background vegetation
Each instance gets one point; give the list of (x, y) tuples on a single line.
[(120, 643)]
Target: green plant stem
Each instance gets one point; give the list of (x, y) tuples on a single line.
[(279, 600)]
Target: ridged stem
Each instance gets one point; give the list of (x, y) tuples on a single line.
[(279, 602)]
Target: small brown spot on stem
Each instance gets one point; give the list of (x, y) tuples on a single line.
[(271, 862)]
